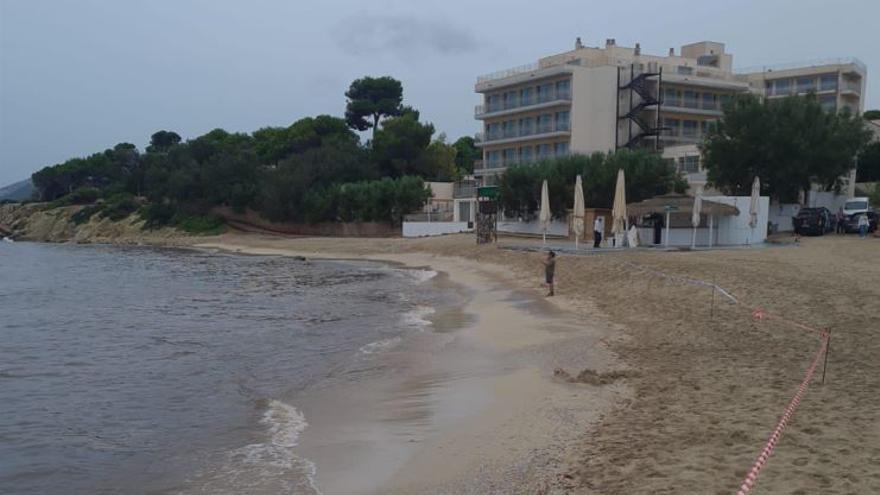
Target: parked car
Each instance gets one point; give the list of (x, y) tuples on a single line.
[(852, 222), (813, 221)]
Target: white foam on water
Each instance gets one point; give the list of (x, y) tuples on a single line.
[(379, 346), (418, 317), (422, 275), (270, 466)]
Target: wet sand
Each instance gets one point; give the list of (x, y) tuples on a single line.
[(709, 383), (473, 405)]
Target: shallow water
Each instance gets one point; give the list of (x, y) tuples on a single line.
[(140, 370)]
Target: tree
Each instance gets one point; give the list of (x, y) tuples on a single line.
[(372, 98), (438, 161), (399, 146), (868, 169), (466, 153), (647, 175), (162, 140), (871, 115), (790, 143)]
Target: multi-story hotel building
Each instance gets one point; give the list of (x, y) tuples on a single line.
[(601, 99)]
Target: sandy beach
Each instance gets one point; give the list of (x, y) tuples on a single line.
[(694, 388)]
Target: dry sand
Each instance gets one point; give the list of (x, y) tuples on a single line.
[(706, 390)]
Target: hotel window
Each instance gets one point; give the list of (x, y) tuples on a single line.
[(806, 84), (670, 97), (689, 128), (510, 99), (685, 70), (563, 90), (526, 126), (494, 158), (691, 100), (545, 123), (493, 131), (768, 88), (510, 156), (544, 151), (508, 128), (561, 149), (828, 102), (828, 82), (493, 102), (671, 127), (525, 154), (525, 96), (562, 121), (783, 87), (544, 93), (689, 164), (710, 101)]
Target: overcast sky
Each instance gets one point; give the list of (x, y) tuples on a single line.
[(78, 76)]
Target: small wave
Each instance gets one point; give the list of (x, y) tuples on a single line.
[(379, 346), (270, 466), (417, 317), (422, 275)]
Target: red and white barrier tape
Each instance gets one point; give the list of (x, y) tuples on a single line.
[(761, 314), (759, 463)]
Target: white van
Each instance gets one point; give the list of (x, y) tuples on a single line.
[(856, 205)]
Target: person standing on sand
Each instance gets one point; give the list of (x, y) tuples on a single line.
[(841, 221), (597, 231), (550, 271), (863, 225)]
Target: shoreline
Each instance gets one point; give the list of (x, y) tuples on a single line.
[(491, 414)]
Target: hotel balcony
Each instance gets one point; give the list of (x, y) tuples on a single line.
[(535, 132), (536, 102)]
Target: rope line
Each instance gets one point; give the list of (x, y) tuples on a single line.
[(761, 314)]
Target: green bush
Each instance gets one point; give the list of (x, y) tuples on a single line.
[(157, 215), (119, 206), (84, 196), (85, 214), (200, 224)]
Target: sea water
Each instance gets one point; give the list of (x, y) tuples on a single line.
[(142, 370)]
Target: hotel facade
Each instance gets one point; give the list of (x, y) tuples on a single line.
[(606, 98)]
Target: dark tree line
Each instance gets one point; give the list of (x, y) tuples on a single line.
[(303, 172)]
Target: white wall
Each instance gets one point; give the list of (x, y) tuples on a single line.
[(593, 109), (558, 228), (422, 229), (726, 231)]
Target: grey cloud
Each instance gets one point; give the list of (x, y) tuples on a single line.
[(403, 35)]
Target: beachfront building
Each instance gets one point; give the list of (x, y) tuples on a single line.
[(605, 98)]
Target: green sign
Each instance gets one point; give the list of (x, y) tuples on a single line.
[(490, 192)]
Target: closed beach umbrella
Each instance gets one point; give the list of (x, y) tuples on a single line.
[(695, 216), (578, 210), (618, 211), (544, 215), (753, 205)]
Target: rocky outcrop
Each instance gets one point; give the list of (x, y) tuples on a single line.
[(38, 222)]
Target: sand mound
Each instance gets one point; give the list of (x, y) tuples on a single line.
[(591, 377)]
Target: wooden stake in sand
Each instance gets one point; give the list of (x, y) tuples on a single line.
[(827, 350)]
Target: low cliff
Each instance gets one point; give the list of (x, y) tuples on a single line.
[(38, 222)]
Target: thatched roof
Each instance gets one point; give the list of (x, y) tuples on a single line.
[(683, 203)]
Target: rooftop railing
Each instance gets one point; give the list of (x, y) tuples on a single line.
[(501, 74), (798, 65)]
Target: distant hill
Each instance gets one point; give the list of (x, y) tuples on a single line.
[(18, 191)]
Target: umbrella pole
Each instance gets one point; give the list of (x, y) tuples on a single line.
[(667, 230), (545, 237), (711, 221), (693, 238)]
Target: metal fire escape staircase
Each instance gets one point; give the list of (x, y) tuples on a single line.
[(642, 94)]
